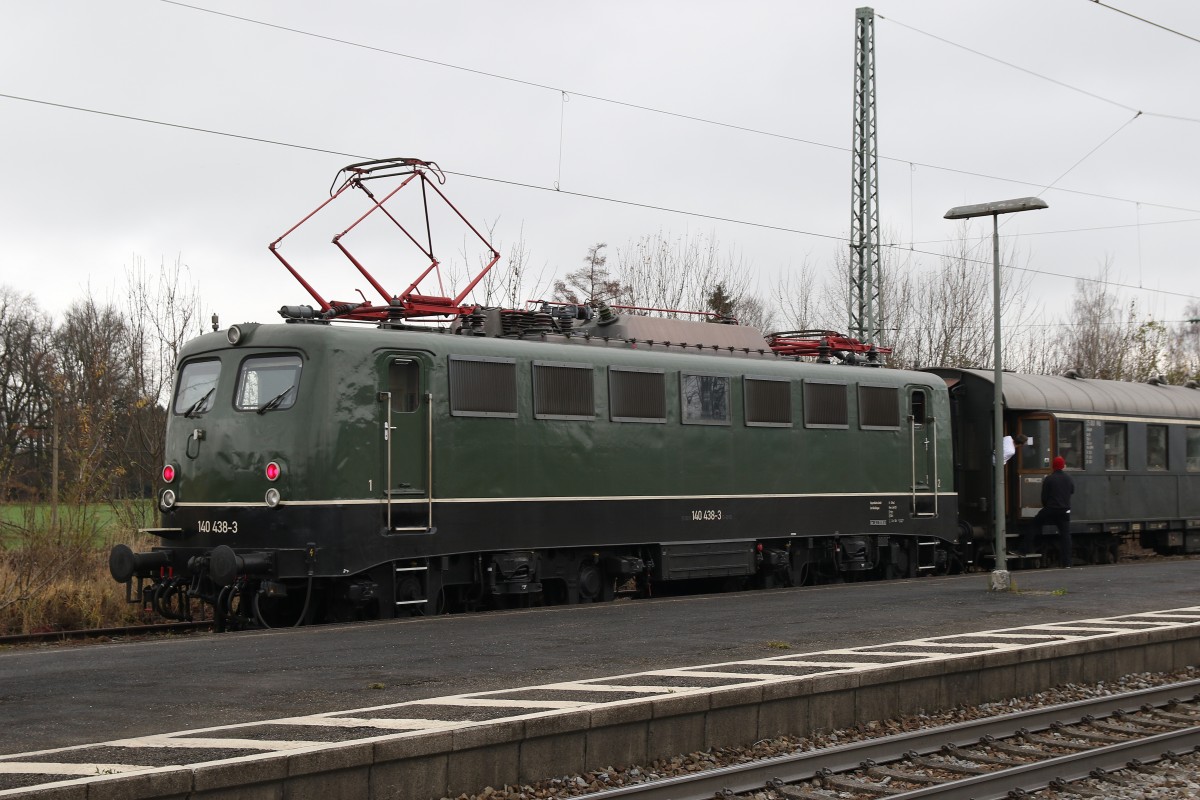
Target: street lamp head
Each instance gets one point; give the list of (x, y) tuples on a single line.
[(999, 207)]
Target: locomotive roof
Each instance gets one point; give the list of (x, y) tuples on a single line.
[(1081, 395), (607, 349)]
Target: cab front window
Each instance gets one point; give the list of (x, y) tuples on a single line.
[(266, 383), (197, 387)]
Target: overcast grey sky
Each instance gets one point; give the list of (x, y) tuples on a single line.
[(85, 193)]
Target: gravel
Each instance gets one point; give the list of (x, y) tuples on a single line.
[(1183, 782)]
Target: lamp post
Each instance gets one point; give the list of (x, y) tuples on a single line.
[(994, 210)]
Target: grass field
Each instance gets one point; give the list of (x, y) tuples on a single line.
[(55, 576), (108, 520)]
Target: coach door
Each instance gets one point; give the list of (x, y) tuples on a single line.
[(922, 435), (1032, 464), (407, 434)]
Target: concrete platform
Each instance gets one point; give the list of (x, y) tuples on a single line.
[(424, 744)]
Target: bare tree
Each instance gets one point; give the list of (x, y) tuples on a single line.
[(590, 283), (945, 315), (26, 372), (510, 282), (162, 311), (797, 301), (1182, 357), (682, 272), (1107, 337), (94, 392)]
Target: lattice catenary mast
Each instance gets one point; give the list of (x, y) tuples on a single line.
[(864, 198)]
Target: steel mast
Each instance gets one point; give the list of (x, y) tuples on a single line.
[(864, 194)]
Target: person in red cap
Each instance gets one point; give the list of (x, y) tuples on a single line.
[(1057, 488)]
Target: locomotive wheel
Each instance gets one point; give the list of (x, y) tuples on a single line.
[(409, 588), (591, 583)]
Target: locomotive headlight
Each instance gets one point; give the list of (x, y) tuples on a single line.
[(273, 471), (166, 500), (168, 473), (272, 497), (234, 334)]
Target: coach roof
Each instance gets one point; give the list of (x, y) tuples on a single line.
[(1067, 394)]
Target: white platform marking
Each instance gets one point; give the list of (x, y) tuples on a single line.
[(828, 662)]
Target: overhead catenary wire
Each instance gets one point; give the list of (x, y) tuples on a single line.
[(1034, 74), (583, 195), (1143, 19), (698, 119)]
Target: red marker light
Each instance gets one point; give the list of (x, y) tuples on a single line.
[(168, 473), (273, 471)]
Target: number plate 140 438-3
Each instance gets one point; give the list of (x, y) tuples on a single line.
[(217, 526)]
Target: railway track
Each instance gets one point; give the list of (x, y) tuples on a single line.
[(997, 757), (103, 633)]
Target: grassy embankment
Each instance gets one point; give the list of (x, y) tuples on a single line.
[(54, 572)]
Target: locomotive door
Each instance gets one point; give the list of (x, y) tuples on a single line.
[(407, 443), (923, 446), (1032, 464)]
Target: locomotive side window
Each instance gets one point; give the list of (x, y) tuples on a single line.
[(563, 391), (637, 395), (825, 405), (705, 399), (879, 407), (1070, 442), (768, 402), (266, 383), (919, 414), (483, 387), (1193, 449), (1156, 447), (404, 382), (197, 385), (1114, 446)]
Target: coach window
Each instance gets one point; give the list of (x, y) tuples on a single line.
[(1114, 446), (825, 405), (483, 387), (563, 391), (197, 385), (1156, 447), (705, 399), (1037, 452), (768, 402), (1193, 449), (878, 408), (266, 383), (637, 395), (1070, 442)]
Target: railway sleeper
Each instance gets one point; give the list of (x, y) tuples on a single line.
[(845, 784), (793, 792), (1076, 732), (1059, 785), (1051, 742), (904, 775), (946, 766), (1163, 723), (980, 758)]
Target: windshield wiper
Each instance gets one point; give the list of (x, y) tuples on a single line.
[(274, 402), (194, 410)]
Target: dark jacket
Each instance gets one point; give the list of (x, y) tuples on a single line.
[(1057, 488)]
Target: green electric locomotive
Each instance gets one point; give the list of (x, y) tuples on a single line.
[(334, 471)]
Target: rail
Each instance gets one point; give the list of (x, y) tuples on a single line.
[(777, 772)]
